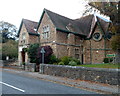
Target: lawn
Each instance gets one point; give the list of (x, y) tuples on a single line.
[(107, 65)]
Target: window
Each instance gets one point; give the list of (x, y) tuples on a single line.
[(77, 53), (109, 35), (46, 31), (23, 36), (97, 36)]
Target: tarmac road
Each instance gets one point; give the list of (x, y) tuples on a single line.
[(17, 84)]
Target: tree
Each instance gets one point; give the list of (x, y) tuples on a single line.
[(111, 9), (7, 31), (32, 52), (10, 48)]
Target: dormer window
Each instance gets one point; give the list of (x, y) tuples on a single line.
[(46, 32)]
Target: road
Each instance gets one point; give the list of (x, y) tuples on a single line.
[(17, 84)]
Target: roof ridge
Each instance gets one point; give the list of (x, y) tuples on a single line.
[(58, 14), (84, 17), (29, 20)]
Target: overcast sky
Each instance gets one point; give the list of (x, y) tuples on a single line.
[(13, 11)]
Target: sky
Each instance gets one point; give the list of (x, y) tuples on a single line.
[(13, 11)]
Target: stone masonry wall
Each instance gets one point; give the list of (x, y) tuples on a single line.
[(30, 67), (52, 34), (33, 39), (95, 51), (101, 75), (23, 30)]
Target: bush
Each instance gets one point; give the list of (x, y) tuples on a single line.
[(65, 60), (76, 60), (72, 63), (32, 52), (61, 63), (107, 60), (53, 59)]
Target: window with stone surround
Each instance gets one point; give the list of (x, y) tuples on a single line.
[(23, 36), (77, 53), (46, 32)]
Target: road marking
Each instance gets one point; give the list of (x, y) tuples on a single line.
[(12, 86)]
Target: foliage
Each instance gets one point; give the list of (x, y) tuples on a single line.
[(10, 48), (25, 49), (107, 60), (76, 60), (111, 9), (32, 52), (8, 31), (115, 44), (65, 60), (23, 63), (61, 63), (48, 53), (72, 63), (53, 59)]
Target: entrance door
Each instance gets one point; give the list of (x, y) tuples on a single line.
[(23, 56)]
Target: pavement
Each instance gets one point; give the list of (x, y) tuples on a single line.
[(86, 85)]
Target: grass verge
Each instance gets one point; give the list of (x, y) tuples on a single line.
[(106, 65)]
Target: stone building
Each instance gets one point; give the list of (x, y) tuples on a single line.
[(27, 35), (86, 38)]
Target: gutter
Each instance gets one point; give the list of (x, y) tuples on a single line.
[(58, 29)]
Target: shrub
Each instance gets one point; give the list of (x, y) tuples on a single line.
[(53, 59), (76, 60), (111, 59), (23, 63), (65, 60), (61, 63), (72, 63), (107, 60), (32, 52)]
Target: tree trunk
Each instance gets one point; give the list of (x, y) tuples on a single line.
[(117, 58)]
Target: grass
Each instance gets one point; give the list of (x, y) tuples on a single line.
[(106, 65)]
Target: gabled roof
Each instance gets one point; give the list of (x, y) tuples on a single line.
[(104, 24), (61, 22), (30, 26), (84, 24), (81, 26)]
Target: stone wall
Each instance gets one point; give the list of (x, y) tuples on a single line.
[(30, 67), (102, 75)]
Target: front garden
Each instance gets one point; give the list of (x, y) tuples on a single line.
[(49, 58)]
